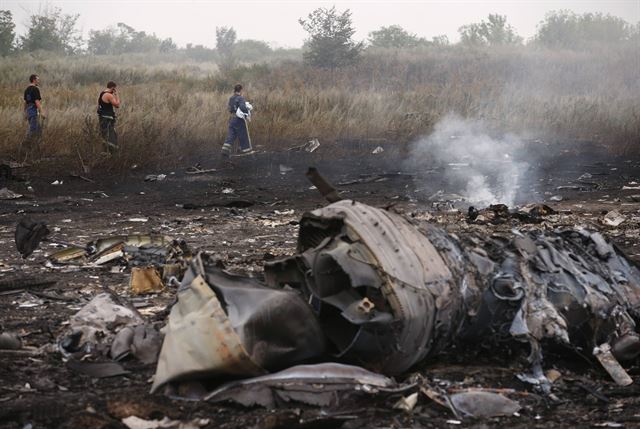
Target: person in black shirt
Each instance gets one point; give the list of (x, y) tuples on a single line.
[(33, 111), (107, 100), (239, 110)]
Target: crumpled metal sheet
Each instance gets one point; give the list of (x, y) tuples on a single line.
[(480, 404), (322, 385), (226, 324), (571, 286), (386, 293)]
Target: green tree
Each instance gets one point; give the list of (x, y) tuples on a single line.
[(54, 31), (441, 40), (7, 34), (225, 43), (200, 52), (251, 50), (493, 32), (167, 45), (125, 39), (393, 36), (330, 42), (102, 42), (565, 29)]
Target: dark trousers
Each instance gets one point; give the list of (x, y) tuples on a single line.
[(35, 130), (237, 130), (31, 144), (108, 131)]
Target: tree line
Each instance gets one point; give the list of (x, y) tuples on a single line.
[(330, 41)]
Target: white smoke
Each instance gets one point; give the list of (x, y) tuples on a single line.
[(481, 168)]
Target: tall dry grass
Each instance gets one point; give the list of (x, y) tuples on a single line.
[(175, 109)]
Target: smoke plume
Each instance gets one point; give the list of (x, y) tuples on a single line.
[(483, 169)]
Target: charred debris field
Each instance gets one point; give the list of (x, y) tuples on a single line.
[(234, 295)]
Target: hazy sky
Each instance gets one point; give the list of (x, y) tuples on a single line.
[(277, 21)]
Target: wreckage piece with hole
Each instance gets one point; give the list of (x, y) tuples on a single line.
[(389, 292), (384, 297), (371, 288)]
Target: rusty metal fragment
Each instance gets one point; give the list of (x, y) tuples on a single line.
[(323, 186), (145, 280), (611, 365)]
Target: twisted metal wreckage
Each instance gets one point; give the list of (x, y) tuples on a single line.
[(372, 288)]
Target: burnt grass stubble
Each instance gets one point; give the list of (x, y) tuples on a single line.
[(42, 391)]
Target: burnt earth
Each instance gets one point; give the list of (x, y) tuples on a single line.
[(246, 213)]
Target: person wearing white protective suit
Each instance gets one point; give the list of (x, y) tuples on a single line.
[(240, 111)]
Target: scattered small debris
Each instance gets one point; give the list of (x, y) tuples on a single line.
[(155, 177), (57, 182), (92, 328), (7, 194)]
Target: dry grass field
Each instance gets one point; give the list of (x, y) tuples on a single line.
[(175, 108)]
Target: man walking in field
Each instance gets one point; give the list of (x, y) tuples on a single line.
[(107, 100), (33, 112), (240, 111)]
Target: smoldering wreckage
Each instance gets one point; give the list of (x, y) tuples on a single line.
[(369, 295)]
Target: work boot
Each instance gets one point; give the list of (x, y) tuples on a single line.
[(246, 152)]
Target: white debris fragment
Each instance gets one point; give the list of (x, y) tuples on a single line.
[(138, 219), (312, 145), (614, 218), (134, 422), (57, 182), (608, 425), (556, 198), (285, 169), (155, 177), (284, 212), (7, 194), (407, 403), (228, 191), (378, 150)]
